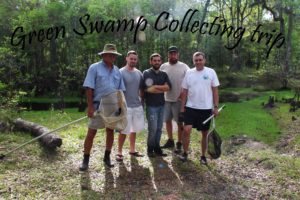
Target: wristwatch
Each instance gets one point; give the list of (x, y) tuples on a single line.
[(215, 106)]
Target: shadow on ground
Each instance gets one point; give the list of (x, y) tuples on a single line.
[(156, 178)]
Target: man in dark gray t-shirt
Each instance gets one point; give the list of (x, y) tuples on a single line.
[(154, 84), (135, 112)]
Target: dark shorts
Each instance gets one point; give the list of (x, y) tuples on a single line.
[(196, 117)]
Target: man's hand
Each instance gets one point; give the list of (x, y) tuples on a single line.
[(181, 117), (90, 112), (216, 112), (89, 95), (153, 89)]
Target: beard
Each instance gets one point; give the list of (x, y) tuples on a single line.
[(132, 65), (173, 61), (156, 67)]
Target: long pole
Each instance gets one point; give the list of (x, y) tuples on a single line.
[(213, 115), (36, 138)]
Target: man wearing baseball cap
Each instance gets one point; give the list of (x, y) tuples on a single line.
[(102, 79), (176, 71)]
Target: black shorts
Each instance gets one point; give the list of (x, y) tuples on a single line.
[(196, 117)]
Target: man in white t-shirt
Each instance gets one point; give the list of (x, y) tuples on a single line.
[(176, 71), (200, 99)]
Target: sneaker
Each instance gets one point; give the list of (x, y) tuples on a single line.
[(203, 160), (183, 157), (162, 154), (178, 148), (169, 144)]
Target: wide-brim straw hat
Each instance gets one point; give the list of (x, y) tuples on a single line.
[(110, 48)]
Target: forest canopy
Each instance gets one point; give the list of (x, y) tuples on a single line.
[(47, 46)]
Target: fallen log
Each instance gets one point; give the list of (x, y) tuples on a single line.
[(4, 127), (50, 140)]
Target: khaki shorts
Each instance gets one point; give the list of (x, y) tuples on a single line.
[(171, 110), (97, 121)]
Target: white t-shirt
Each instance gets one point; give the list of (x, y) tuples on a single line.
[(199, 85), (176, 74)]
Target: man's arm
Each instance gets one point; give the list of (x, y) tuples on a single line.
[(162, 88), (89, 96), (142, 93), (215, 92), (183, 97), (155, 89), (142, 88)]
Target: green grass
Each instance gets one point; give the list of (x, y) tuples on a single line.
[(251, 119), (54, 119), (48, 99), (279, 170), (282, 165), (33, 172), (239, 90), (296, 143), (248, 118), (244, 118)]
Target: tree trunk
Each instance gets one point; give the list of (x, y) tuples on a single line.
[(289, 41), (50, 140), (205, 9)]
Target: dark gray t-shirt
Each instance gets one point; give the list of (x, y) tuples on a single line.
[(132, 81), (150, 77)]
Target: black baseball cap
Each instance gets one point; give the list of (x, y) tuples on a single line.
[(172, 49)]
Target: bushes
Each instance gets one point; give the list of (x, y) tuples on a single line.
[(258, 80), (270, 81), (8, 103), (229, 97), (236, 79)]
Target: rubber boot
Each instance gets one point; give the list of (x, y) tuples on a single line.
[(85, 163), (106, 159)]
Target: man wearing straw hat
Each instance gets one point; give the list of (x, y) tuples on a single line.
[(102, 78)]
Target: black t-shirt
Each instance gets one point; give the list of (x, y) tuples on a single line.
[(150, 77)]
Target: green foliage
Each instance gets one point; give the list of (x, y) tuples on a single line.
[(10, 95), (8, 106), (52, 66), (244, 78)]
